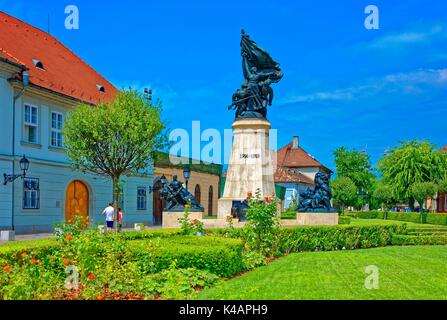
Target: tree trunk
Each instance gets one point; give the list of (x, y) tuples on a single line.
[(116, 201)]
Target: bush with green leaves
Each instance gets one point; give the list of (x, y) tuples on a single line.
[(409, 240), (263, 221), (344, 192), (217, 255)]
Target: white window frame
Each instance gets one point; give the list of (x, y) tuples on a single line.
[(28, 195), (57, 131), (144, 198), (30, 124)]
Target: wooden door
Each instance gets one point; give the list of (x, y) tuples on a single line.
[(158, 205), (77, 202)]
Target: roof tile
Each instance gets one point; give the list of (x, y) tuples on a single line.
[(64, 72)]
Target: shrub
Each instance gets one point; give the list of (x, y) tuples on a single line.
[(406, 240), (336, 237), (262, 222), (436, 218), (344, 220), (374, 214), (214, 254), (405, 216), (151, 234)]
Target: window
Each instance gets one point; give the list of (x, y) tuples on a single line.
[(31, 193), (57, 121), (31, 124), (141, 198), (197, 193)]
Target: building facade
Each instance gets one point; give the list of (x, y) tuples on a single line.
[(33, 117), (295, 171)]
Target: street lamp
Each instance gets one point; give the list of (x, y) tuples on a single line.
[(186, 175), (24, 166), (362, 194), (147, 94)]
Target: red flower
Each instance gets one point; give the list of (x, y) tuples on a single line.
[(33, 261), (99, 298), (195, 221), (249, 194), (68, 237), (7, 268), (267, 199), (91, 276), (66, 262), (24, 254)]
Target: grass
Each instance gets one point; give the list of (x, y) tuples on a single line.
[(405, 273)]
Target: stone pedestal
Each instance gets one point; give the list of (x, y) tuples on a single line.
[(170, 219), (7, 235), (317, 218), (251, 165)]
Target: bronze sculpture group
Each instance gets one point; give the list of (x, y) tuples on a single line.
[(175, 195), (260, 71)]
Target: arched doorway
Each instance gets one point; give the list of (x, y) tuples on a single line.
[(197, 193), (159, 205), (210, 201), (77, 202)]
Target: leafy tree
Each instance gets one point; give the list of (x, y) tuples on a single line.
[(423, 190), (412, 162), (356, 166), (344, 191), (116, 138), (383, 195), (442, 186)]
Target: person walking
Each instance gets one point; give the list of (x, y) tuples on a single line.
[(120, 218), (109, 213)]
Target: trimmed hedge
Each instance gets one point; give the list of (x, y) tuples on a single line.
[(406, 240), (36, 248), (151, 234), (326, 238), (221, 256), (344, 220), (428, 218), (336, 237)]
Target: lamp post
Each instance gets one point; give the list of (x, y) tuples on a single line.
[(362, 194), (24, 166), (147, 95), (186, 175)]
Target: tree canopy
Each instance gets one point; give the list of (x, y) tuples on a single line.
[(344, 191), (116, 138), (412, 162)]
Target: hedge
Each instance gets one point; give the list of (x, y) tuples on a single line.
[(428, 218), (344, 220), (406, 240), (326, 238), (151, 234), (221, 256), (36, 248)]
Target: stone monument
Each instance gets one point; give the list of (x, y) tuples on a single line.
[(251, 164)]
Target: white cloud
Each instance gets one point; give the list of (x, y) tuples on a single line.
[(413, 82), (426, 34)]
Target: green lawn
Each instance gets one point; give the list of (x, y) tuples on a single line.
[(369, 222), (405, 273)]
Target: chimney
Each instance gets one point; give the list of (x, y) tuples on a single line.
[(295, 143)]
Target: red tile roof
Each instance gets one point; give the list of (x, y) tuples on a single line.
[(284, 174), (297, 158), (444, 148), (64, 73)]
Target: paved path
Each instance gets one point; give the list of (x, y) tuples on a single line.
[(39, 236)]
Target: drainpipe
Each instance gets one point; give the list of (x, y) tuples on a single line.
[(25, 84)]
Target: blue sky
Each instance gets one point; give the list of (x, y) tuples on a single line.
[(344, 85)]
